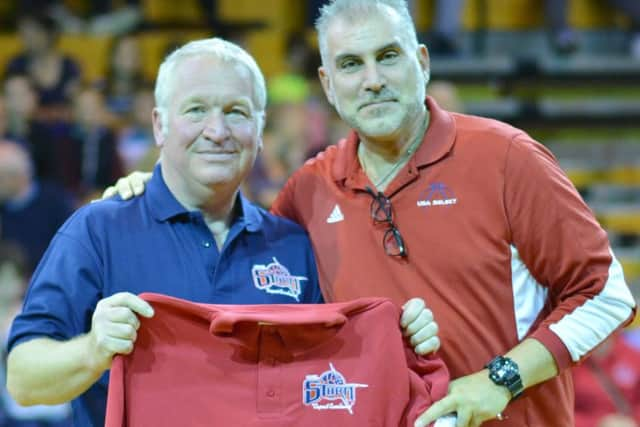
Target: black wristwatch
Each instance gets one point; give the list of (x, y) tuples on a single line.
[(504, 371)]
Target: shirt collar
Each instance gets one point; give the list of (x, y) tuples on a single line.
[(437, 142), (164, 205), (249, 214)]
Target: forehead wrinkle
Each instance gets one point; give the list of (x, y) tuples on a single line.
[(214, 91), (216, 88), (360, 32)]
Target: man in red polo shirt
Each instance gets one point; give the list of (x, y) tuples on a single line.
[(469, 213)]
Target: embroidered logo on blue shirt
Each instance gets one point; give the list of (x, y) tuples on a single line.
[(274, 278), (329, 390), (438, 194)]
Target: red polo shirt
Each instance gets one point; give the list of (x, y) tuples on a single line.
[(340, 364), (500, 245)]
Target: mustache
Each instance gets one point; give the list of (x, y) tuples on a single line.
[(208, 147), (384, 96)]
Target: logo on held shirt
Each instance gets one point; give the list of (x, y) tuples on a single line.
[(438, 194), (274, 278), (329, 390)]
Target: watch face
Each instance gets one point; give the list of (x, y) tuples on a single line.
[(503, 370), (506, 370)]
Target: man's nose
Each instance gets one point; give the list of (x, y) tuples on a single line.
[(216, 128), (374, 80)]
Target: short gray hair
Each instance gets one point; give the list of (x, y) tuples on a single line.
[(357, 9), (219, 48)]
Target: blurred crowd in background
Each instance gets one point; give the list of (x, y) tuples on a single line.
[(76, 97)]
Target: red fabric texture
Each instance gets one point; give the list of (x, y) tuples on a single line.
[(199, 364), (475, 191)]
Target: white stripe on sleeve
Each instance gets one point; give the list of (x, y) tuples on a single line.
[(528, 295), (592, 322)]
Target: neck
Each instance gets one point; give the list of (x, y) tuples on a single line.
[(390, 149), (381, 160), (216, 202)]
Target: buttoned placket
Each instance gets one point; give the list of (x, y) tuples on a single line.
[(269, 391), (205, 245)]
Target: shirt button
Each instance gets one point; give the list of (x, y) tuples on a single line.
[(206, 244), (271, 393)]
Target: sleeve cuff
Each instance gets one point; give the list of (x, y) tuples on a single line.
[(557, 348)]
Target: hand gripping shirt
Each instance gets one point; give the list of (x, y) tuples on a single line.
[(334, 365), (153, 244), (500, 245)]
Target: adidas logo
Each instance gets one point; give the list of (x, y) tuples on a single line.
[(336, 215)]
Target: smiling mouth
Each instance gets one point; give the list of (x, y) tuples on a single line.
[(376, 103), (216, 155)]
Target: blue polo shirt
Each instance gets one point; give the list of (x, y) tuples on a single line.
[(152, 243)]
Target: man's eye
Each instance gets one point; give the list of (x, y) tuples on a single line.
[(196, 109), (348, 64), (238, 112), (389, 56)]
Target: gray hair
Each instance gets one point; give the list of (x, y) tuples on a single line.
[(219, 48), (356, 9)]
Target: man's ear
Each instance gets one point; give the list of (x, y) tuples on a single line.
[(326, 85), (425, 61), (263, 122), (157, 120)]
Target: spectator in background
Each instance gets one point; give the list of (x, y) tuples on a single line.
[(298, 121), (607, 386), (446, 28), (136, 146), (446, 95), (3, 116), (54, 75), (14, 276), (89, 154), (565, 40), (111, 17), (40, 138), (21, 104), (124, 76), (284, 151), (30, 211)]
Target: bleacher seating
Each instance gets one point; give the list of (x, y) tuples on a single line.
[(584, 106)]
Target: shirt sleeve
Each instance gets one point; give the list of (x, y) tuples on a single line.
[(63, 293), (285, 205), (313, 295), (566, 251)]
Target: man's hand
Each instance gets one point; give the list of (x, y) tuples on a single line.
[(418, 324), (475, 399), (114, 325), (129, 186)]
